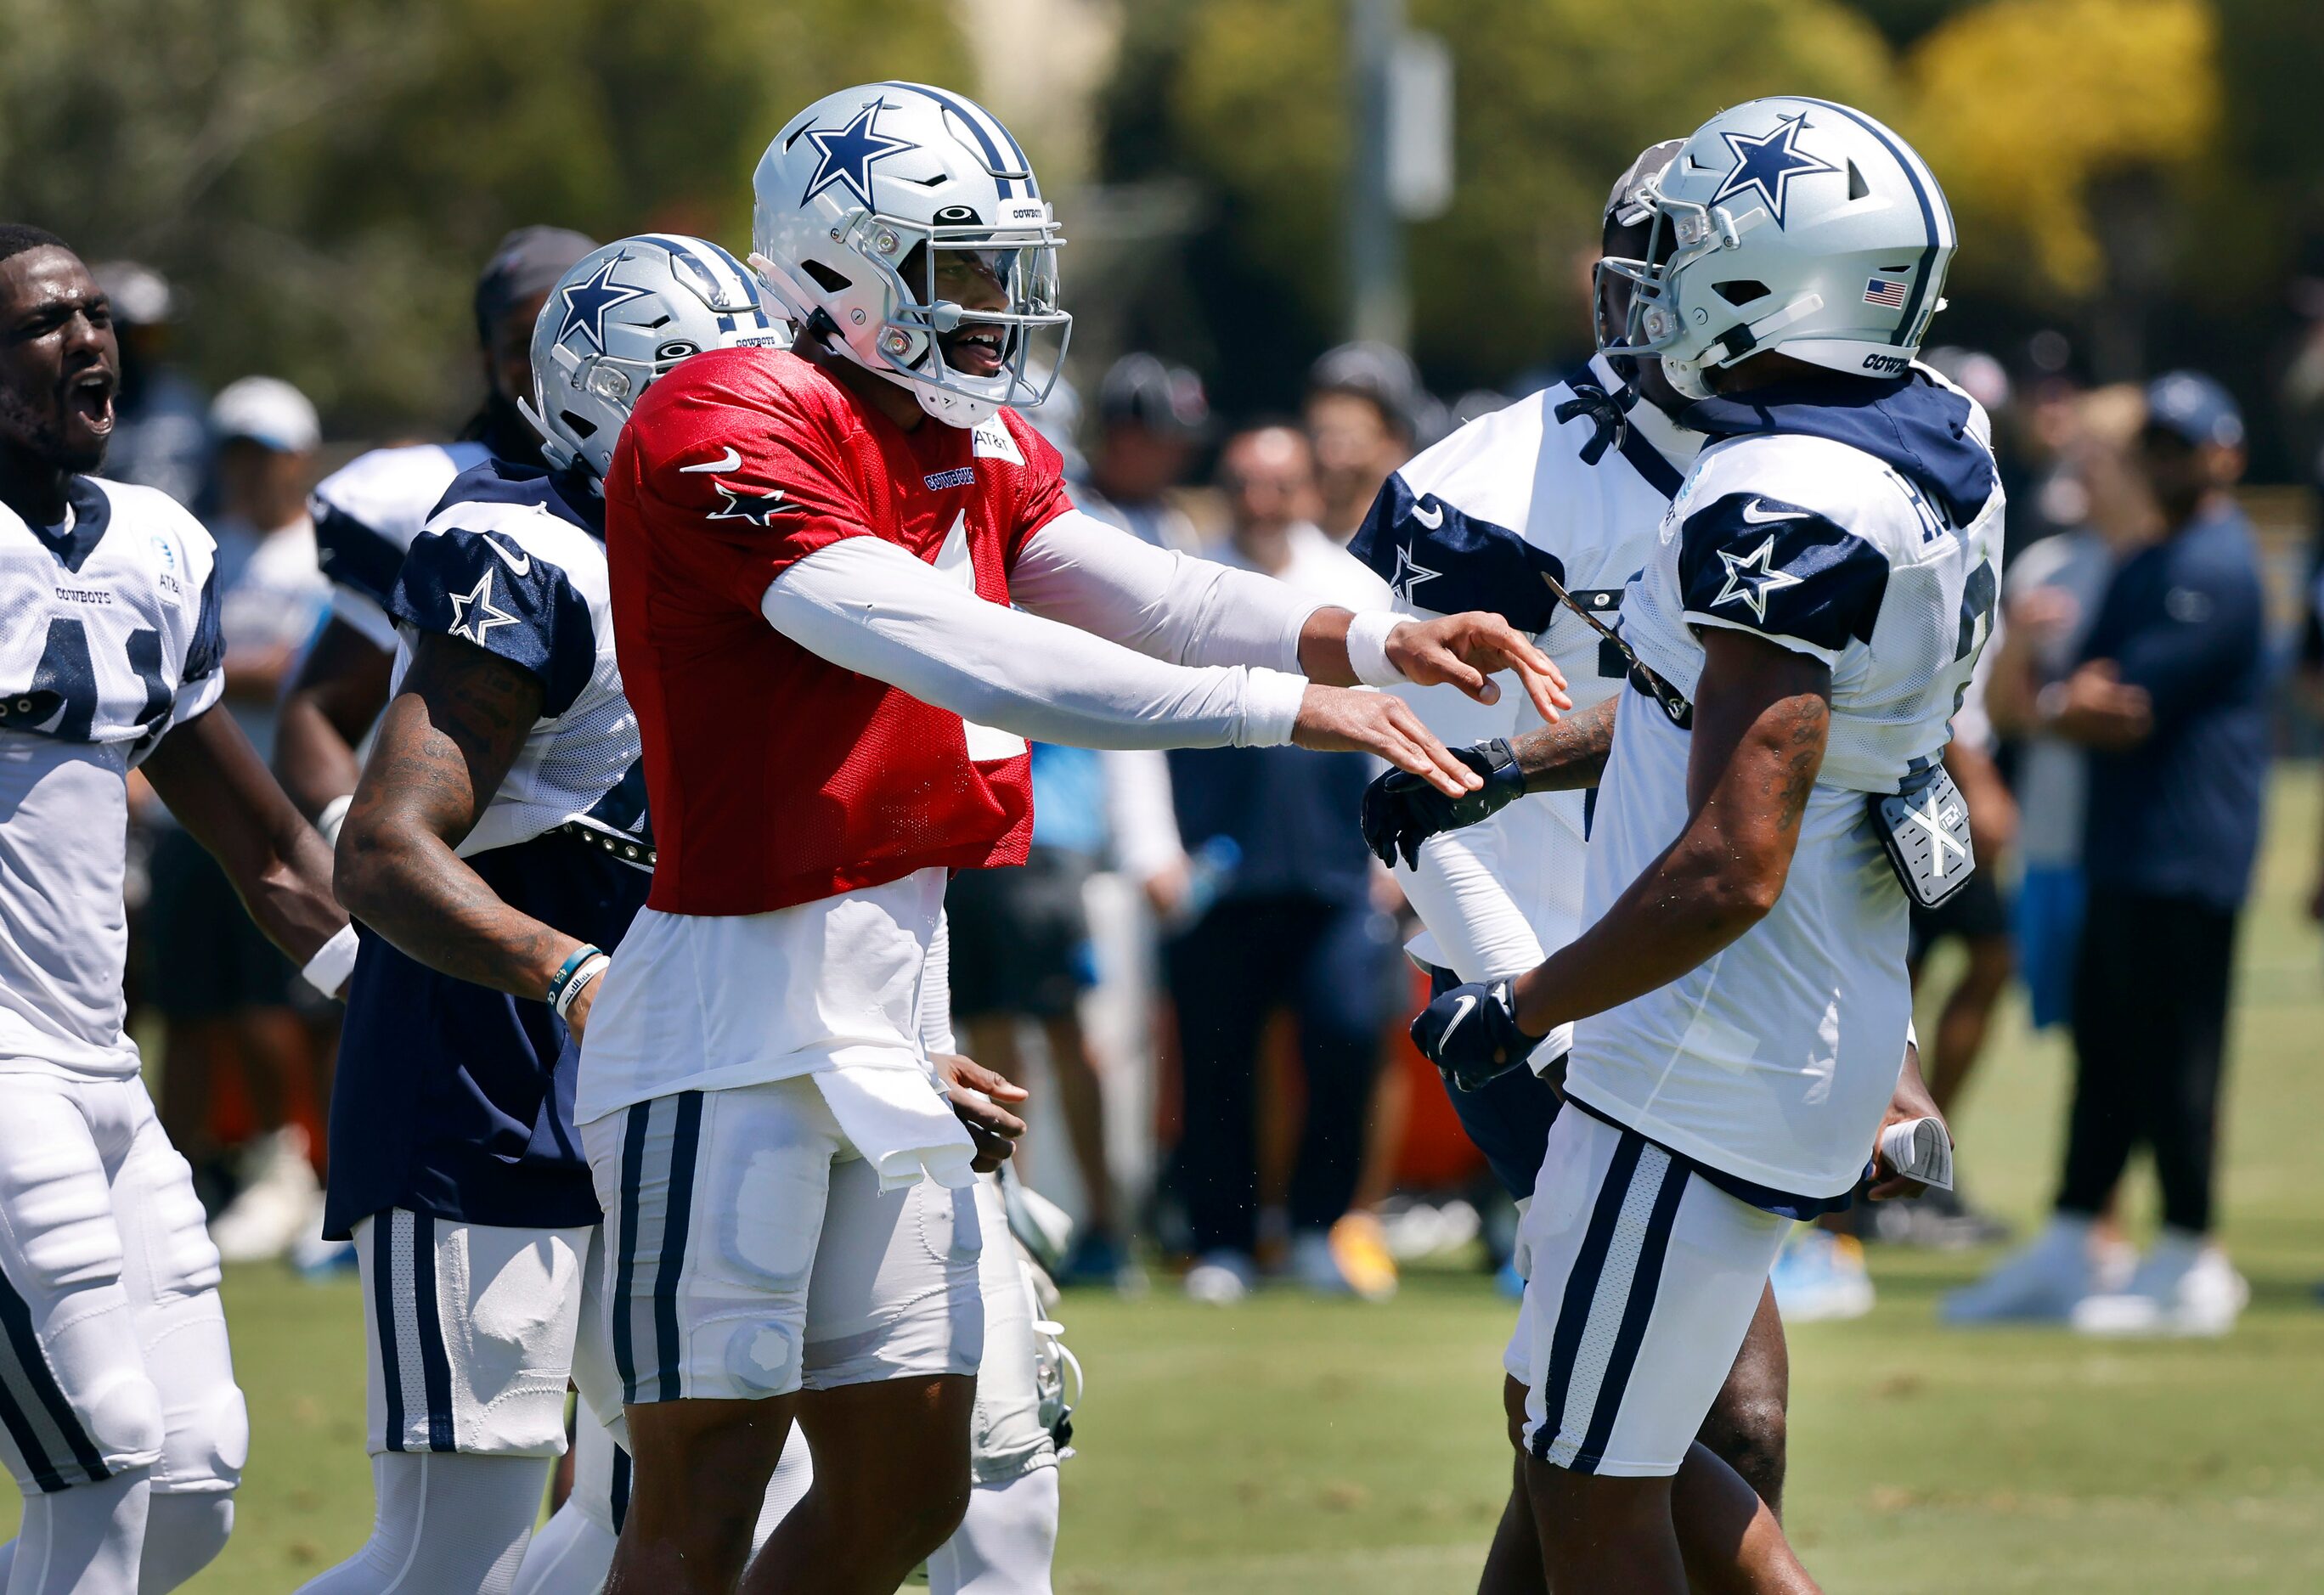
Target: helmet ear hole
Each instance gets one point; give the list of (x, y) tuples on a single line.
[(829, 280), (581, 426), (1741, 292)]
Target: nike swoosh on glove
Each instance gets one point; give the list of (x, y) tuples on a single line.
[(1401, 810), (1472, 1034)]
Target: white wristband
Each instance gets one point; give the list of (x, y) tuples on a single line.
[(334, 816), (333, 963), (1368, 647), (595, 965)]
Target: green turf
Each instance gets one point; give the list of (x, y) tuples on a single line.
[(1298, 1445)]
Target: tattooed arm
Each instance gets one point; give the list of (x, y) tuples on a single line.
[(1761, 717), (445, 743), (1569, 755)]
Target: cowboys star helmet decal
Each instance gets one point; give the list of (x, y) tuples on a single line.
[(1769, 163), (586, 302), (847, 153)]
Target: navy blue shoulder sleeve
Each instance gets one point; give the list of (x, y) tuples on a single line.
[(354, 553), (207, 650), (1767, 566), (485, 590), (1435, 556)]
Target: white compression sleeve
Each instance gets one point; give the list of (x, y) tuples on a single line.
[(936, 991), (1005, 1544), (1171, 606), (442, 1521), (793, 1476), (870, 606), (81, 1541), (570, 1555)]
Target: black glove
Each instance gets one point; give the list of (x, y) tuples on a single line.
[(1471, 1033), (1401, 811)]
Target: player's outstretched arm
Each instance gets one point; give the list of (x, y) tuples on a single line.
[(445, 745), (338, 692), (1080, 571), (1401, 811), (1761, 720), (871, 607), (218, 787)]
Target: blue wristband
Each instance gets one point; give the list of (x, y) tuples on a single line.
[(565, 970)]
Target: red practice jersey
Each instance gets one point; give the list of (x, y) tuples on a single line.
[(774, 777)]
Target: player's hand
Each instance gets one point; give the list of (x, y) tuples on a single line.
[(2099, 710), (1342, 720), (1401, 811), (1466, 650), (1911, 1100), (1472, 1034), (577, 1017), (976, 1093)]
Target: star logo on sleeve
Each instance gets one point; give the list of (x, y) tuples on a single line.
[(1751, 577), (474, 612), (588, 300), (743, 504), (845, 154), (1769, 163), (1409, 574)]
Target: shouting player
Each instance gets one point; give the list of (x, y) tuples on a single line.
[(119, 1416), (814, 558), (1803, 629)]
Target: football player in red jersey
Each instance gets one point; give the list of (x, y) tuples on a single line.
[(814, 558)]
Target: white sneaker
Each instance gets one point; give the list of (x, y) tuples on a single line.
[(1220, 1278), (1821, 1278), (2183, 1287), (2040, 1283), (279, 1206)]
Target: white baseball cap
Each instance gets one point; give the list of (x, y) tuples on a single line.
[(266, 410)]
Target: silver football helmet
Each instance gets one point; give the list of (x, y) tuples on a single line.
[(901, 226), (617, 322), (1792, 223)]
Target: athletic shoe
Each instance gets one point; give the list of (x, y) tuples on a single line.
[(1221, 1278), (281, 1203), (2184, 1287), (2040, 1283), (1096, 1258), (1359, 1250), (317, 1259), (1821, 1277)]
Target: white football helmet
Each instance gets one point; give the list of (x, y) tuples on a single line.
[(877, 209), (1787, 223), (619, 321)]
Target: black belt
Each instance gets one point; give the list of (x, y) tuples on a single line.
[(640, 853)]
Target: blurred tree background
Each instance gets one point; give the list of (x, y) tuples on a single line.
[(323, 177)]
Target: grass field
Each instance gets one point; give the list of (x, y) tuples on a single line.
[(1298, 1445)]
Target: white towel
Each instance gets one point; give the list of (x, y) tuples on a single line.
[(900, 1122)]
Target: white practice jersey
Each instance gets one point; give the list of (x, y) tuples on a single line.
[(109, 637), (1473, 524), (517, 567), (366, 514), (1864, 534)]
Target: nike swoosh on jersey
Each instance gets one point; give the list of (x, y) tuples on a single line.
[(1750, 513), (1426, 519), (733, 459), (519, 563)]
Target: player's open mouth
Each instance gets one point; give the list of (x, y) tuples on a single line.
[(975, 353), (89, 398)]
